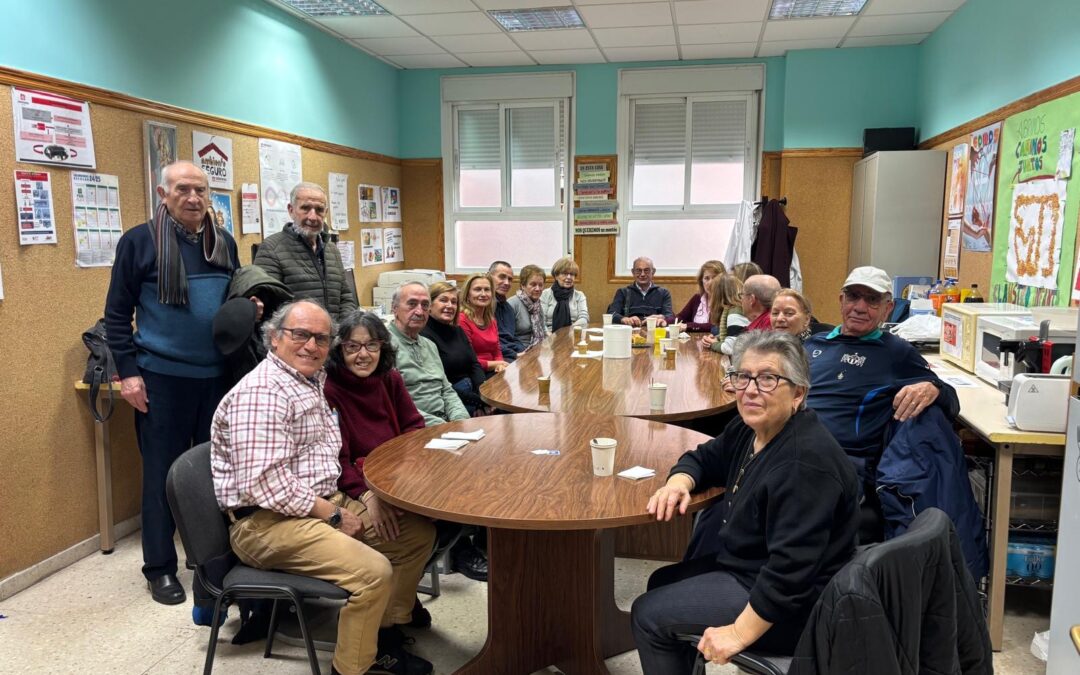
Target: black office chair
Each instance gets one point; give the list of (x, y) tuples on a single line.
[(752, 662), (205, 535)]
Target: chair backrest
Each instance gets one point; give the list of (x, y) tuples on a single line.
[(190, 491)]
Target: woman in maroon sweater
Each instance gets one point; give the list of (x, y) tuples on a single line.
[(696, 312)]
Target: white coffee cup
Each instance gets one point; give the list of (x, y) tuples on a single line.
[(607, 319), (673, 331), (657, 395), (650, 330), (666, 344), (603, 456)]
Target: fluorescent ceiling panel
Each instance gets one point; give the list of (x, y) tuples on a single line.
[(804, 9), (539, 18), (337, 7)]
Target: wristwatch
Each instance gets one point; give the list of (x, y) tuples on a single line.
[(335, 518)]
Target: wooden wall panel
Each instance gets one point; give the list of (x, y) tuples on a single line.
[(48, 492), (422, 207)]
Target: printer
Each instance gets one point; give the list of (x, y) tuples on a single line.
[(389, 281)]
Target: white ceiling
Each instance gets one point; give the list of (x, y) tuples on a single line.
[(459, 34)]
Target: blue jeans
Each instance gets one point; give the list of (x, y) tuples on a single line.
[(470, 398)]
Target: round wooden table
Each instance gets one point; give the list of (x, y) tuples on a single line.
[(611, 386), (550, 547)]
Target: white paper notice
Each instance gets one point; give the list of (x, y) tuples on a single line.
[(371, 252), (339, 201), (95, 202), (392, 249), (348, 254), (279, 170), (370, 197), (213, 154), (1036, 227), (34, 205), (1065, 153), (249, 208), (391, 204), (52, 129)]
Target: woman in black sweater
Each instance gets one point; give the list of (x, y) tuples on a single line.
[(786, 524), (458, 358)]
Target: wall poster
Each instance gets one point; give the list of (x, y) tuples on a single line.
[(213, 154), (279, 171), (95, 200), (982, 179), (159, 151), (52, 129)]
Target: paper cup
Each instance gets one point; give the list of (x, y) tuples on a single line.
[(582, 347), (665, 344), (607, 319), (650, 330), (544, 383), (603, 456), (657, 395), (673, 331)]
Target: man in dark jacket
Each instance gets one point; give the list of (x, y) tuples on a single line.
[(302, 257), (511, 346), (642, 300), (172, 273)]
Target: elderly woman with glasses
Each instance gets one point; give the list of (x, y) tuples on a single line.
[(564, 305), (786, 525)]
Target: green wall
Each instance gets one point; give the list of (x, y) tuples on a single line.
[(241, 59), (991, 53)]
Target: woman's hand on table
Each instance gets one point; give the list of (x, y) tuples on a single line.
[(497, 366), (383, 518), (719, 644), (675, 495), (707, 340)]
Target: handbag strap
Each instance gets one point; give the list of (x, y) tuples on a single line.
[(97, 380)]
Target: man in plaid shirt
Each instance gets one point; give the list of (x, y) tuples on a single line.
[(274, 460)]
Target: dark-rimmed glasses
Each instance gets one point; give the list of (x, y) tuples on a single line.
[(872, 298), (766, 382), (301, 336), (350, 347)]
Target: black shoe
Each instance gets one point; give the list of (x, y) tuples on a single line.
[(470, 561), (392, 659), (421, 618), (167, 590)]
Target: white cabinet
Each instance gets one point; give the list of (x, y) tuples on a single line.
[(896, 205)]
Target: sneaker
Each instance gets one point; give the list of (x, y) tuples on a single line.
[(470, 561), (392, 659)]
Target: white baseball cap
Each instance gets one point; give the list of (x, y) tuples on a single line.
[(871, 277)]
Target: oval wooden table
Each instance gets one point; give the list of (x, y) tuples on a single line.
[(550, 547), (611, 386)]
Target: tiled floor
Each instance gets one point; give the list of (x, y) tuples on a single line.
[(96, 616)]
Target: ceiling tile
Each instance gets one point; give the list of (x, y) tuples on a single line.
[(616, 16), (732, 50), (555, 39), (898, 24), (367, 26), (403, 7), (630, 37), (516, 4), (427, 61), (910, 6), (489, 42), (548, 56), (721, 11), (508, 58), (780, 48), (713, 33), (395, 46), (458, 23), (807, 29), (885, 40), (642, 53)]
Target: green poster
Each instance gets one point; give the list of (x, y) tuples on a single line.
[(1030, 142)]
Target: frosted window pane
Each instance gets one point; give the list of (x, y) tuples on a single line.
[(677, 244), (479, 242)]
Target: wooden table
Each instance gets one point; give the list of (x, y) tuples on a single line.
[(611, 386), (982, 409), (550, 547), (103, 452)]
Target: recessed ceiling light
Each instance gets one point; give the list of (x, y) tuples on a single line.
[(543, 18), (801, 9), (337, 7)]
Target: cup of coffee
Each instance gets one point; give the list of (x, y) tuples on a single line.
[(665, 345), (607, 319), (544, 383), (657, 395), (673, 331), (582, 347), (650, 330), (603, 456), (669, 354)]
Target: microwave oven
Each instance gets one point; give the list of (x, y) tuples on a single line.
[(993, 330)]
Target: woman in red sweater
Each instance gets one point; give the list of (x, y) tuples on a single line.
[(478, 322)]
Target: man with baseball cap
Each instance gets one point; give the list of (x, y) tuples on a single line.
[(862, 378)]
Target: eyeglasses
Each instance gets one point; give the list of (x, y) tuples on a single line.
[(872, 298), (567, 274), (301, 337), (350, 347), (766, 382), (638, 271)]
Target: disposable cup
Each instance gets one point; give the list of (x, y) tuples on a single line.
[(669, 354), (657, 395), (603, 456), (544, 382), (582, 347), (650, 330), (673, 331), (665, 344), (607, 319)]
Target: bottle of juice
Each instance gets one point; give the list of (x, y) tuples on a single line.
[(974, 295), (951, 291), (935, 296)]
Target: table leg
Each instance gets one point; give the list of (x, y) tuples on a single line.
[(103, 450), (999, 540), (551, 601)]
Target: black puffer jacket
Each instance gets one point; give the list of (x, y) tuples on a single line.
[(288, 258), (904, 607)]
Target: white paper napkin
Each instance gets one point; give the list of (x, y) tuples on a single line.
[(464, 435), (637, 473), (444, 444), (592, 354)]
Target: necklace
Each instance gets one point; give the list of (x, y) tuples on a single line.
[(748, 457)]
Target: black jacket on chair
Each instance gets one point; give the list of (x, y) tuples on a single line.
[(905, 606)]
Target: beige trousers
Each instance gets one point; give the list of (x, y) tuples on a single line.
[(380, 575)]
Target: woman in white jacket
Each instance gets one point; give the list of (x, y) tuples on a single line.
[(562, 305)]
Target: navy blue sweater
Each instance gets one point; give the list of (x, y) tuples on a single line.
[(506, 320), (171, 340), (630, 301)]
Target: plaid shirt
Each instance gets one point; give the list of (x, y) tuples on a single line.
[(275, 442)]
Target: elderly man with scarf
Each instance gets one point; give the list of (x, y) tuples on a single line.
[(172, 273)]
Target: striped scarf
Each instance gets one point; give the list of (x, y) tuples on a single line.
[(539, 330), (172, 278)]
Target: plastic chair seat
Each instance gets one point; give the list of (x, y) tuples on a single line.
[(308, 587)]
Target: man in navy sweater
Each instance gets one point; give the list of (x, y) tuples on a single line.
[(511, 346), (633, 305), (172, 273), (862, 378)]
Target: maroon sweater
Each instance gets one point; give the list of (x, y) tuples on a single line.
[(370, 410), (689, 312)]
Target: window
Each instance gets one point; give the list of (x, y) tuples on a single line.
[(505, 158), (688, 145)]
